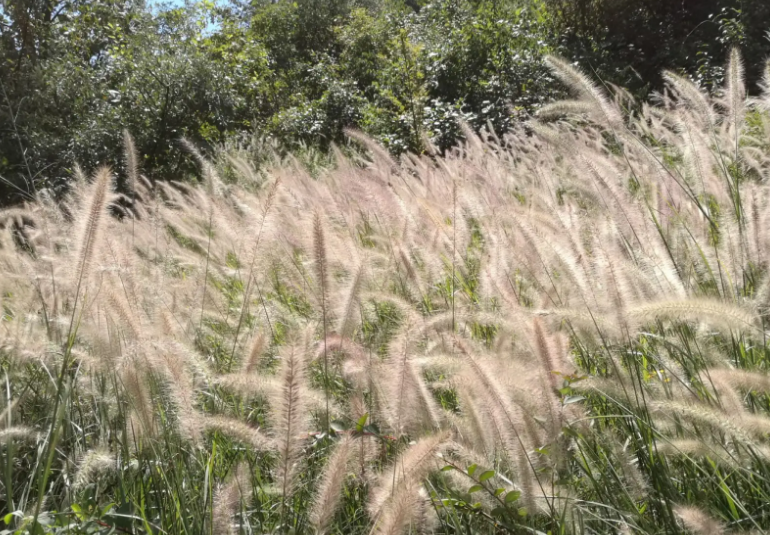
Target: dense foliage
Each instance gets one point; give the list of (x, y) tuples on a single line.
[(75, 73), (559, 330), (630, 43)]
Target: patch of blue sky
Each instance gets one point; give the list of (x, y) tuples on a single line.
[(162, 5), (173, 4)]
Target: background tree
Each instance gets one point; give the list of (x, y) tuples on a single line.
[(630, 42), (74, 73)]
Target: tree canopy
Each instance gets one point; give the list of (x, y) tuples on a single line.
[(76, 73)]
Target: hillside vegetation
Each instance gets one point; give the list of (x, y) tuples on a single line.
[(558, 330)]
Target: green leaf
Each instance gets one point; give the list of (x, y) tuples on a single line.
[(8, 518), (338, 426), (472, 468), (497, 512), (512, 496), (447, 468), (573, 399), (499, 491), (474, 488), (486, 475), (78, 512), (106, 509), (362, 422)]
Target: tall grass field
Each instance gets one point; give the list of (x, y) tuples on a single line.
[(562, 330)]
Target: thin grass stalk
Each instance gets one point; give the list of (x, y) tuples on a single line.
[(454, 250), (95, 216), (482, 374), (321, 268), (206, 270), (9, 453), (247, 293), (132, 170)]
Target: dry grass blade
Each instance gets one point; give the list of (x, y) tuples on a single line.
[(698, 521), (719, 313), (90, 226), (132, 160), (291, 404), (581, 84), (328, 496), (322, 273), (408, 470)]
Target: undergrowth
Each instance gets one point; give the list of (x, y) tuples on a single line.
[(561, 331)]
